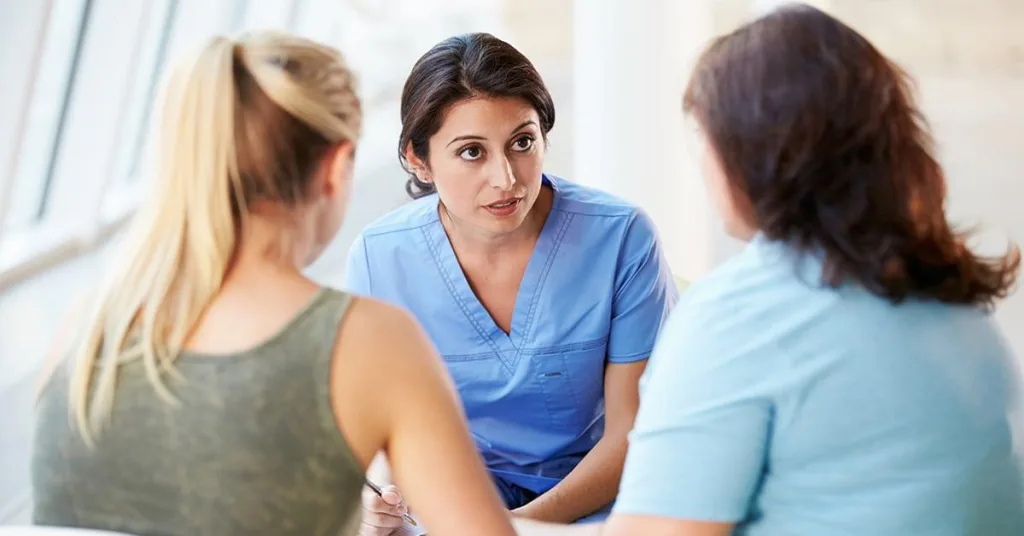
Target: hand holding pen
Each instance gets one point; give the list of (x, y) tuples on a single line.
[(384, 511)]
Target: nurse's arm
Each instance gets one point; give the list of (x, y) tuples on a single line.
[(595, 480)]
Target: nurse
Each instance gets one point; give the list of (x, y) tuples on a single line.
[(544, 296)]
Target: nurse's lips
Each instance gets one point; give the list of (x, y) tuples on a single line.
[(505, 207)]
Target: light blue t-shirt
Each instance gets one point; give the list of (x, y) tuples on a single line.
[(794, 409), (596, 290)]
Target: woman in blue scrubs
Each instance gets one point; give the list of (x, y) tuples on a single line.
[(544, 297)]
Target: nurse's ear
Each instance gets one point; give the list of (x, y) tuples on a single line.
[(416, 164)]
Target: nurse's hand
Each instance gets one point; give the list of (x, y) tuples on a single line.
[(382, 516)]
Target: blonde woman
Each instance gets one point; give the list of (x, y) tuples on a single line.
[(212, 388)]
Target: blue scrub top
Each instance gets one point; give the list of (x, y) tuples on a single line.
[(596, 290), (789, 407)]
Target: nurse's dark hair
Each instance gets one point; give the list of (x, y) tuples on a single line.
[(820, 138), (459, 68)]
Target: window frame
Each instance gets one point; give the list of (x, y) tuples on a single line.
[(70, 79), (21, 112)]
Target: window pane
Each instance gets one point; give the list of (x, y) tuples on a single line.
[(153, 56), (237, 15), (182, 27), (268, 14), (41, 137)]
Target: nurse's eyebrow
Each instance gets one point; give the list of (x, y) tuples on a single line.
[(524, 124), (466, 137), (481, 138)]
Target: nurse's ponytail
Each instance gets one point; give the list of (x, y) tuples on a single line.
[(243, 121)]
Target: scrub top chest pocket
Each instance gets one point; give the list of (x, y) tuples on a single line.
[(570, 380), (552, 392)]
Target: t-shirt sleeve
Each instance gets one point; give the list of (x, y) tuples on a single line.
[(644, 293), (357, 270), (698, 446)]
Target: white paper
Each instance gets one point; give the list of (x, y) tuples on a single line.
[(409, 530)]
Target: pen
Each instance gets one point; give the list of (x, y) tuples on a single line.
[(376, 489)]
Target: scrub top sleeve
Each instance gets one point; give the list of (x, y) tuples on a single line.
[(357, 271), (699, 443), (644, 293)]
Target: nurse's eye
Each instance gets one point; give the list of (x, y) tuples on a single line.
[(523, 143), (471, 153)]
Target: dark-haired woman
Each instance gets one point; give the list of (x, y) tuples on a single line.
[(544, 297), (843, 376)]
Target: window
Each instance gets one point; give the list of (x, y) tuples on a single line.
[(156, 34), (51, 92), (169, 33), (85, 136), (268, 15)]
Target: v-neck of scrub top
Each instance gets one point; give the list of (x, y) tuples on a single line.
[(506, 346)]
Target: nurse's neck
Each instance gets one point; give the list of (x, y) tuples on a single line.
[(467, 238)]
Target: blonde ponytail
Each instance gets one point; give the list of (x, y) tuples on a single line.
[(330, 105), (183, 238)]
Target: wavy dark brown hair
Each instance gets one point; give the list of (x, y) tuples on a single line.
[(820, 132)]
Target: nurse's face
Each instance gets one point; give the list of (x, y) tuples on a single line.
[(486, 163)]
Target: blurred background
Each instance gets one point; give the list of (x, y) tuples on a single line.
[(81, 79)]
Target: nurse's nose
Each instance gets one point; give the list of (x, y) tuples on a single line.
[(502, 177)]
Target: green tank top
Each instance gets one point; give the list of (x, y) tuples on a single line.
[(253, 448)]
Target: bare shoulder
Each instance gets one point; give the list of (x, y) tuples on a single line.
[(371, 313), (384, 356), (383, 331)]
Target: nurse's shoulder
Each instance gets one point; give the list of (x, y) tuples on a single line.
[(585, 200), (604, 217), (406, 218), (385, 242)]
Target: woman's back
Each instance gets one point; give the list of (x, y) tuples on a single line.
[(902, 412), (253, 448), (846, 414)]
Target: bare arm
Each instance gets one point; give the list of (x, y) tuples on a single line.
[(529, 527), (595, 481), (396, 395), (626, 526)]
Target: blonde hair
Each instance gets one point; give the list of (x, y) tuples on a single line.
[(245, 120)]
